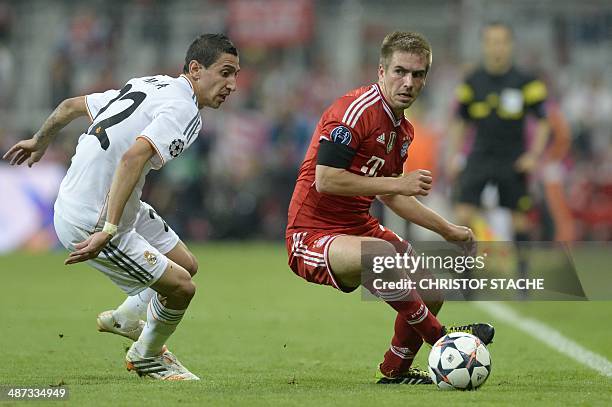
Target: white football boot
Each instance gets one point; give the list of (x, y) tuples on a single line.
[(164, 366), (107, 323)]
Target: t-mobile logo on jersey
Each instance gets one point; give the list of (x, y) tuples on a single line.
[(372, 166)]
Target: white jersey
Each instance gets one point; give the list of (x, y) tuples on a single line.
[(161, 109)]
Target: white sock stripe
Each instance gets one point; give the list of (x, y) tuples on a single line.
[(358, 115), (163, 314), (160, 316), (421, 319), (168, 311), (395, 295), (399, 353), (357, 101)]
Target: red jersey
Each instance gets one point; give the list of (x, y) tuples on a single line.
[(362, 120)]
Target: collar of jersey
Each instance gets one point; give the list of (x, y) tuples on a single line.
[(190, 87), (387, 108)]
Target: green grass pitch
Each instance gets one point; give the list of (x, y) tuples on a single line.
[(258, 335)]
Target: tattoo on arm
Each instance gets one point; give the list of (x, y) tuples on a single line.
[(50, 127), (61, 116)]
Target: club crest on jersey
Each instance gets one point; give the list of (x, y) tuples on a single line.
[(391, 142), (404, 149), (341, 135), (176, 147), (150, 257)]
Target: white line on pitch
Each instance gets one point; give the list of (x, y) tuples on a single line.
[(548, 336)]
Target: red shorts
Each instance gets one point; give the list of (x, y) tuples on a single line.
[(307, 250)]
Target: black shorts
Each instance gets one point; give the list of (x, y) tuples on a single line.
[(511, 185)]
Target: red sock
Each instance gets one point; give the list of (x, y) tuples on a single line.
[(410, 306), (404, 347), (417, 315)]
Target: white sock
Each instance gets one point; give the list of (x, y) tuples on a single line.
[(161, 323), (133, 308)]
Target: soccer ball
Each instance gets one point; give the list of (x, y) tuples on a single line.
[(459, 361)]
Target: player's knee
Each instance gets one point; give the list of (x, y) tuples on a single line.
[(192, 267), (185, 290), (385, 248)]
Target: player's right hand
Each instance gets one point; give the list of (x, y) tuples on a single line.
[(89, 248), (417, 182), (29, 149)]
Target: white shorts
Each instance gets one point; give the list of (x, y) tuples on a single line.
[(132, 260)]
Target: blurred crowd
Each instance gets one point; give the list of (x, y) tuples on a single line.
[(236, 180)]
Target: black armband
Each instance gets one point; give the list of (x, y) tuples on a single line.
[(335, 155)]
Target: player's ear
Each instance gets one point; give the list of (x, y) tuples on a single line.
[(195, 69), (381, 71)]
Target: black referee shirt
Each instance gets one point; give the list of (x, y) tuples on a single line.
[(497, 106)]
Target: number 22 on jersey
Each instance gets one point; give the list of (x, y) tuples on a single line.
[(98, 127)]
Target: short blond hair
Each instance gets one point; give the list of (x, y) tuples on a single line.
[(412, 42)]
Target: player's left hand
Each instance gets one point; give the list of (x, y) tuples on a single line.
[(88, 249), (526, 163), (459, 234), (464, 237), (30, 149)]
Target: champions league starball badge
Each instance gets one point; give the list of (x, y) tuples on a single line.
[(341, 135), (176, 147)]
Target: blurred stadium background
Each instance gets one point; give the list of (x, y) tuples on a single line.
[(296, 57)]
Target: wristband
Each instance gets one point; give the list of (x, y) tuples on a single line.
[(110, 229)]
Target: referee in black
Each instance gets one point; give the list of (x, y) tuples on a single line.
[(495, 101)]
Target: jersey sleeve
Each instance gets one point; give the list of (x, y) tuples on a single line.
[(464, 95), (343, 123), (534, 95), (96, 101), (172, 130), (341, 131)]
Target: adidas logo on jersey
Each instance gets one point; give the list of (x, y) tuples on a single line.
[(381, 138)]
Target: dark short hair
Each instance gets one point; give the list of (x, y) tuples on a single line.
[(412, 42), (207, 48), (497, 23)]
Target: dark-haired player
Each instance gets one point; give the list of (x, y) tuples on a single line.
[(98, 213)]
